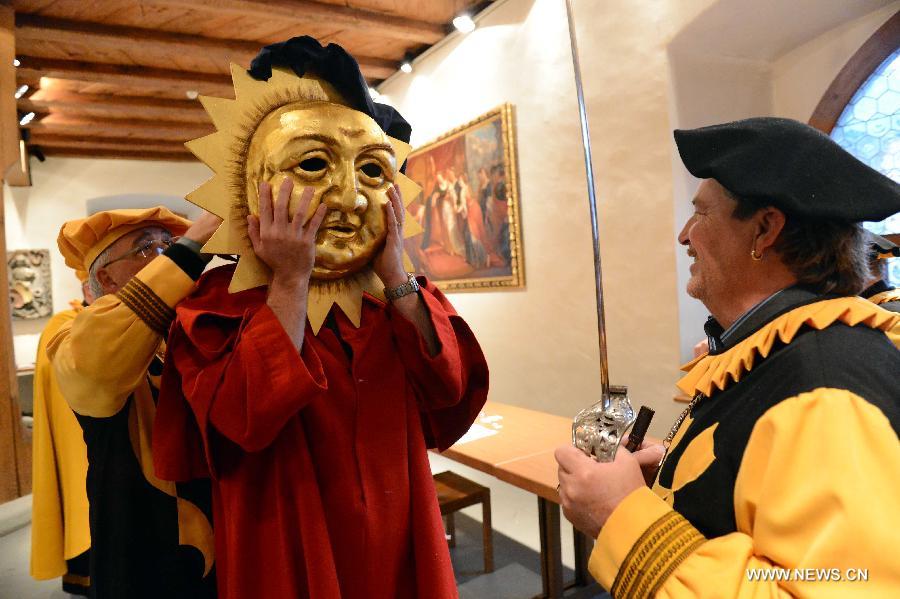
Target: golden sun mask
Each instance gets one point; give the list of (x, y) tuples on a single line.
[(348, 161), (302, 128)]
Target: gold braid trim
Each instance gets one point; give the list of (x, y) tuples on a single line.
[(147, 305), (139, 309), (708, 373), (639, 550), (159, 306), (655, 556)]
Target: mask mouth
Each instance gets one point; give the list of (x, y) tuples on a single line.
[(340, 227)]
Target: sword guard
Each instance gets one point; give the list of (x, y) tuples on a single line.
[(598, 430)]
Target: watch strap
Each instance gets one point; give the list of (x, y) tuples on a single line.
[(410, 286)]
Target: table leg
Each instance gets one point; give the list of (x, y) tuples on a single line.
[(551, 549), (583, 548)]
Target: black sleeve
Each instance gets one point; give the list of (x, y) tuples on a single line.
[(188, 260)]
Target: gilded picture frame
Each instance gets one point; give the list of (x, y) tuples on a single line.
[(469, 206)]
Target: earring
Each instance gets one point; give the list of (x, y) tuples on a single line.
[(755, 256)]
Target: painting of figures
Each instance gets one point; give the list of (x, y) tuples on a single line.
[(469, 206)]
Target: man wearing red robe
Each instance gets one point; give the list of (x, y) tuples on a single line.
[(316, 441)]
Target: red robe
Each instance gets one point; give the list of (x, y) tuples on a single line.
[(320, 477)]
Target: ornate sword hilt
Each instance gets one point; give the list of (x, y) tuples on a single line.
[(598, 430)]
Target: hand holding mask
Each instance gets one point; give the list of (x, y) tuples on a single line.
[(388, 264), (286, 243)]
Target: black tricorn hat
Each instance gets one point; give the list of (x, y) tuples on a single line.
[(789, 165), (333, 64)]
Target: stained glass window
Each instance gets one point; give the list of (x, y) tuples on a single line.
[(869, 128)]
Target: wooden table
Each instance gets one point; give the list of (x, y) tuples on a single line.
[(518, 449), (517, 433)]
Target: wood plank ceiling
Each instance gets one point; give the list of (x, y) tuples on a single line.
[(115, 78)]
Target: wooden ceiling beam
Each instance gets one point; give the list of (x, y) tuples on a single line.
[(33, 68), (119, 154), (103, 106), (46, 141), (159, 130), (33, 31), (304, 12)]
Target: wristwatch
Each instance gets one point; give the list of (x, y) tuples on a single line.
[(410, 286)]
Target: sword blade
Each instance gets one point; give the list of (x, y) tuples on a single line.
[(592, 200)]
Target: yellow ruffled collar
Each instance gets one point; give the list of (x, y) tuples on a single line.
[(708, 372), (891, 295)]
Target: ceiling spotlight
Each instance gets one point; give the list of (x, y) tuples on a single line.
[(21, 91), (26, 119), (406, 65), (16, 62), (192, 94), (464, 24)]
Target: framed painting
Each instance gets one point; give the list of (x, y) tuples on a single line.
[(469, 206)]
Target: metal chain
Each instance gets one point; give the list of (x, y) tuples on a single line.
[(668, 440), (675, 427)]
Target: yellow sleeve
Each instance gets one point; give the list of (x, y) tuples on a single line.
[(103, 355), (817, 510)]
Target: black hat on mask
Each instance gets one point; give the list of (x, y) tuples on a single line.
[(334, 64)]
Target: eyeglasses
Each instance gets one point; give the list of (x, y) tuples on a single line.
[(149, 249)]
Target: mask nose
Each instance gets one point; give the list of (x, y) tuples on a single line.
[(344, 194)]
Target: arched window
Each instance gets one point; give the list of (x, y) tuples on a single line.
[(868, 123)]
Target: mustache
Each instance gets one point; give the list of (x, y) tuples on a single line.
[(691, 252)]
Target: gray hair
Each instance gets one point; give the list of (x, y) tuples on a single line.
[(99, 262)]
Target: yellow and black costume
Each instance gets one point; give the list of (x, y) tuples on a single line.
[(150, 538), (786, 460), (780, 478)]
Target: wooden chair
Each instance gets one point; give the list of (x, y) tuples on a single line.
[(454, 493)]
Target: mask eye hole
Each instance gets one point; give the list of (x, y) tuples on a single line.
[(313, 165), (372, 170)]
